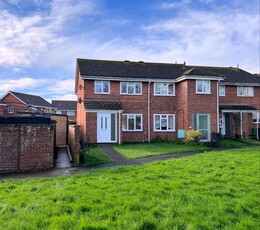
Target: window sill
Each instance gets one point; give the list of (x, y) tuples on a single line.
[(173, 95), (166, 131), (132, 131), (203, 93)]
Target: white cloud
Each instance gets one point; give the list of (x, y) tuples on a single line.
[(69, 97), (24, 38), (19, 84), (174, 4)]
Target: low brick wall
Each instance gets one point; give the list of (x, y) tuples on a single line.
[(26, 147), (74, 142)]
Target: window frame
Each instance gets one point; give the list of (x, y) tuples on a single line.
[(70, 113), (127, 115), (10, 109), (245, 87), (161, 117), (203, 81), (224, 94), (255, 113), (167, 89), (102, 87), (128, 84)]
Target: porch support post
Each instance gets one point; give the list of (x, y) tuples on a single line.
[(241, 124), (257, 121), (119, 128)]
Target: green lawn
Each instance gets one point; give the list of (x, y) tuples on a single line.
[(232, 143), (215, 190), (94, 155), (139, 150)]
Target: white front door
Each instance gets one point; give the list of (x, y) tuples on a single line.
[(103, 127)]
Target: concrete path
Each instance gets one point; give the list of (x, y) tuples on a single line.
[(62, 160), (120, 162), (111, 152)]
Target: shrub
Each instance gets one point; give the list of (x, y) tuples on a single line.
[(193, 136)]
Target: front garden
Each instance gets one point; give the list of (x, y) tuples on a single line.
[(215, 190)]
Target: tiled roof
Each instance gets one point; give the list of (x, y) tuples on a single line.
[(236, 107), (32, 100), (64, 105), (167, 71), (103, 104)]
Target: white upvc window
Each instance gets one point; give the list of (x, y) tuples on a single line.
[(11, 109), (164, 122), (58, 112), (71, 113), (165, 89), (203, 87), (47, 110), (245, 91), (222, 91), (102, 87), (132, 122), (256, 115), (133, 88)]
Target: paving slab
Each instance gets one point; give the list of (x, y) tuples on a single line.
[(62, 160), (111, 152)]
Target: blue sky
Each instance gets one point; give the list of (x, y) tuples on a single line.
[(41, 39)]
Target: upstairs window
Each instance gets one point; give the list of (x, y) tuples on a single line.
[(132, 122), (71, 113), (58, 112), (256, 117), (164, 89), (203, 87), (11, 109), (47, 110), (133, 88), (221, 90), (245, 91), (164, 122), (102, 87)]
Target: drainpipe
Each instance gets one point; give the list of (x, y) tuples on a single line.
[(241, 123), (218, 105), (119, 127), (257, 121), (148, 111)]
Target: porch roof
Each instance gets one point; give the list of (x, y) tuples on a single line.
[(102, 104), (236, 108)]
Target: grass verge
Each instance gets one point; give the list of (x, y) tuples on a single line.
[(215, 190), (139, 150), (93, 155), (233, 143)]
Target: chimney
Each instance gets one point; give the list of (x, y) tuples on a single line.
[(237, 66), (184, 65)]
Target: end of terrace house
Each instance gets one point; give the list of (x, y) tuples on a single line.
[(125, 101)]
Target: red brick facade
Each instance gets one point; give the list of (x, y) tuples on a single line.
[(183, 105), (187, 106), (26, 147)]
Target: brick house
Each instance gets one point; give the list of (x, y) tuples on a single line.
[(66, 107), (123, 101), (2, 108), (20, 102)]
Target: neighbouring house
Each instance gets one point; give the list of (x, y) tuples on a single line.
[(124, 101), (66, 107), (17, 103)]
